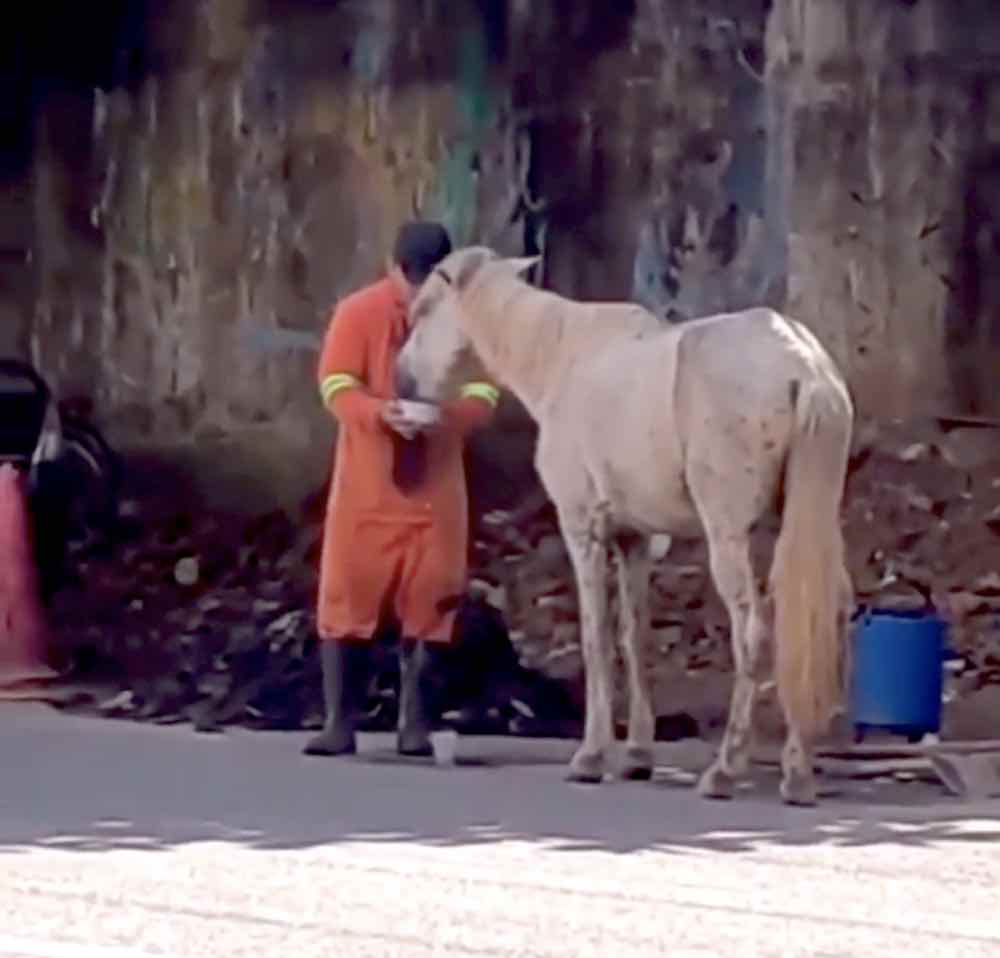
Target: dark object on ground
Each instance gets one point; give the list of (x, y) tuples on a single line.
[(674, 727), (488, 686), (24, 402), (479, 685), (96, 473), (74, 478), (483, 689)]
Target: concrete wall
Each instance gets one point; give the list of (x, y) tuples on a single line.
[(178, 234), (889, 119)]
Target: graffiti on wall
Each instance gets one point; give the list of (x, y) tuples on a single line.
[(713, 241)]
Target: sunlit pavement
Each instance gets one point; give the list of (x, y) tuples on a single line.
[(125, 841)]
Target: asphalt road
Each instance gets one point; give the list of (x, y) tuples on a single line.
[(127, 841)]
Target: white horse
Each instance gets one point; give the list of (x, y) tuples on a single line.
[(697, 430)]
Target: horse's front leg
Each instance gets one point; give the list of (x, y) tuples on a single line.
[(633, 561), (588, 552)]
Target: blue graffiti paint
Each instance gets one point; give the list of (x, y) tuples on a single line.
[(371, 51), (455, 200)]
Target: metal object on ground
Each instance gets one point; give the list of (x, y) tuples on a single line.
[(968, 770)]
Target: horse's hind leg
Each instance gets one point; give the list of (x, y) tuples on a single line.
[(586, 543), (633, 566), (733, 575)]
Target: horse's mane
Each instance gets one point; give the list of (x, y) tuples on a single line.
[(529, 336)]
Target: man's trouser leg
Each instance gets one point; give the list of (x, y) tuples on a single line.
[(345, 674)]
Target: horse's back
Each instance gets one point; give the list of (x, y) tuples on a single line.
[(753, 346), (646, 403), (738, 380)]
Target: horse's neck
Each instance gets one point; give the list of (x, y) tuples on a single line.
[(524, 336), (530, 338)]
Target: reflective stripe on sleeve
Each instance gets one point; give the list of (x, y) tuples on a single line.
[(485, 391), (334, 383)]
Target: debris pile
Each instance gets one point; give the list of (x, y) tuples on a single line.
[(208, 620), (922, 527), (922, 520), (212, 621), (522, 566)]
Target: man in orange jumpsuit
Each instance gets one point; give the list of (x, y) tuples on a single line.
[(395, 537)]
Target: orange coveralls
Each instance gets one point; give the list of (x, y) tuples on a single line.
[(376, 537)]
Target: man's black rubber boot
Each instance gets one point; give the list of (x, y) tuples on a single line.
[(343, 678), (416, 712)]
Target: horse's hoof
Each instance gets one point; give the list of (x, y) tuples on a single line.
[(586, 768), (715, 783), (799, 790), (638, 765)]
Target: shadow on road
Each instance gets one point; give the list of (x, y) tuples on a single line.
[(88, 785)]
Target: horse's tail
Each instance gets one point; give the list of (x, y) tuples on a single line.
[(810, 584)]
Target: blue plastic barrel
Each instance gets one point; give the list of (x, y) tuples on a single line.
[(897, 672)]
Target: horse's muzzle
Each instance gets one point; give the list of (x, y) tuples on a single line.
[(406, 385)]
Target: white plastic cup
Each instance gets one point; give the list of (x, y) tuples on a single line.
[(419, 413), (445, 745)]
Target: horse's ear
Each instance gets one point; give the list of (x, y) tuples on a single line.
[(470, 265), (521, 264)]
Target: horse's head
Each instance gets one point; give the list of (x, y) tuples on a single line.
[(439, 353)]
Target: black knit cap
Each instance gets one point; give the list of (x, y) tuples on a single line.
[(420, 246)]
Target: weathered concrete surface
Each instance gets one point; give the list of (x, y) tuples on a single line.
[(215, 201), (885, 138), (192, 184), (141, 841), (192, 220)]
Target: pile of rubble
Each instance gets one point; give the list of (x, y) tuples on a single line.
[(922, 526), (212, 621), (208, 620), (522, 566), (923, 529)]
